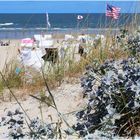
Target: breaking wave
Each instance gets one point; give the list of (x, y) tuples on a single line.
[(6, 24)]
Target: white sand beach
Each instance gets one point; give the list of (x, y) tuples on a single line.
[(8, 53)]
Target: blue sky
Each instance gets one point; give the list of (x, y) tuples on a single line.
[(66, 6)]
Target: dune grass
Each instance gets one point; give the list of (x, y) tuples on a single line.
[(68, 67), (54, 75)]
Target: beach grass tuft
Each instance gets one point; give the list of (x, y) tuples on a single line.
[(72, 65)]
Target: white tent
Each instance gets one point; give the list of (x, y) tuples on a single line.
[(46, 43)]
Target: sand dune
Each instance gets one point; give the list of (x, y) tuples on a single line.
[(66, 100)]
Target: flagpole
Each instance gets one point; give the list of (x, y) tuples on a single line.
[(77, 26), (47, 20), (117, 26), (79, 17), (105, 14), (106, 19)]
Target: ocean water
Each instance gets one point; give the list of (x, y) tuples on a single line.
[(26, 25)]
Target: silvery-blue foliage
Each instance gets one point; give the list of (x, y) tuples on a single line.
[(41, 130), (134, 44), (15, 124), (115, 102), (17, 127)]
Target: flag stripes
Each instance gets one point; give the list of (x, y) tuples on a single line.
[(113, 11)]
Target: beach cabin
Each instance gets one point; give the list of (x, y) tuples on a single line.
[(28, 56), (46, 44), (51, 51), (40, 37)]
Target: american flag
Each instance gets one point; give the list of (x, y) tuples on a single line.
[(113, 11)]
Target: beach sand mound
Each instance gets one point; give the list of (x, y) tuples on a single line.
[(68, 98)]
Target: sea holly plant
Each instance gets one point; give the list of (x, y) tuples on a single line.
[(15, 124), (41, 130), (129, 41), (121, 38), (134, 44), (17, 128), (114, 103)]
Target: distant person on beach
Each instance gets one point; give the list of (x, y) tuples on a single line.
[(43, 36), (81, 50), (34, 40), (82, 45)]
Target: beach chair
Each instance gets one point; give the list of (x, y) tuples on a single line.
[(51, 55), (5, 43), (1, 43), (51, 52)]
